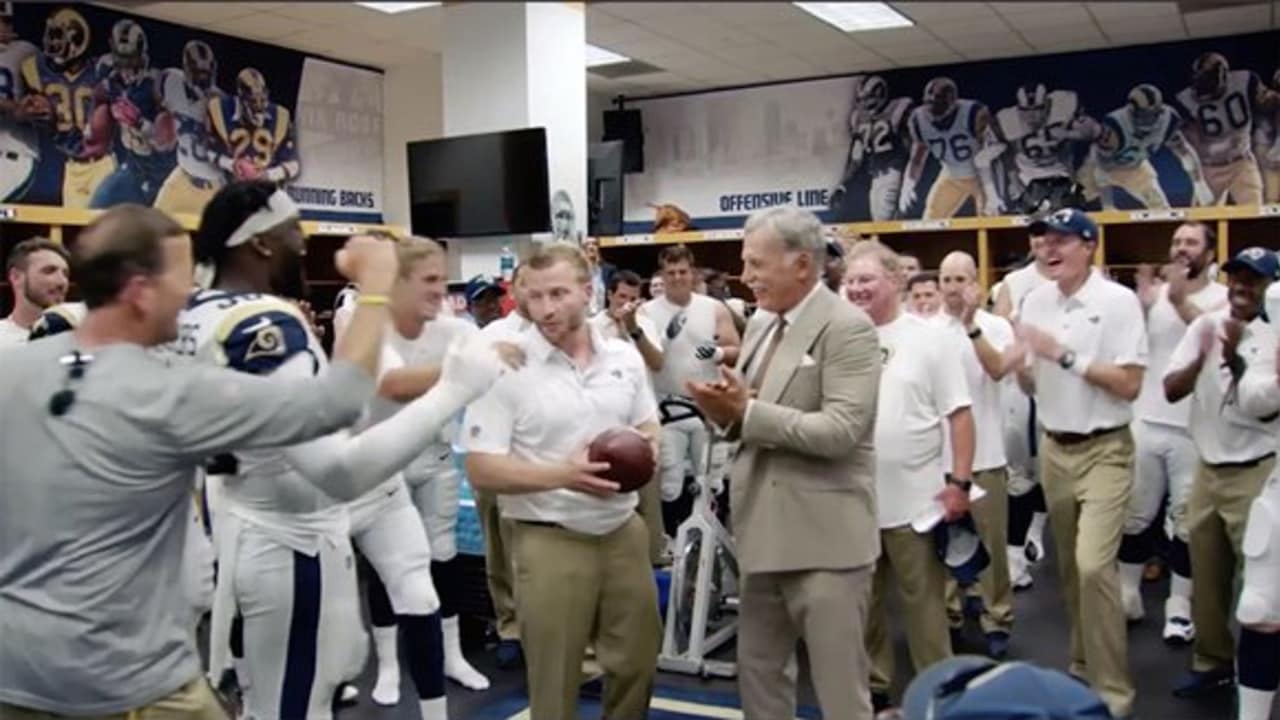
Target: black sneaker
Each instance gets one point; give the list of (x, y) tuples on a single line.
[(1200, 683), (509, 654), (880, 702)]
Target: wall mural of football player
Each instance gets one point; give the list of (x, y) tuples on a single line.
[(1127, 139), (187, 94), (564, 223), (19, 146), (62, 84), (146, 133), (253, 137), (1028, 164), (1266, 144), (950, 130), (879, 147), (1219, 106)]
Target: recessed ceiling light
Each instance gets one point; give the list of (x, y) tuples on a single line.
[(856, 16), (597, 56), (391, 8)]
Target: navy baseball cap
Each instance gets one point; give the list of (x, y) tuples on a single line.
[(481, 284), (969, 687), (1070, 221), (1256, 259), (961, 549)]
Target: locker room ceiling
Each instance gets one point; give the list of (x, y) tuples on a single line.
[(696, 46)]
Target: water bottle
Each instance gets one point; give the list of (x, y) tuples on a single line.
[(507, 265)]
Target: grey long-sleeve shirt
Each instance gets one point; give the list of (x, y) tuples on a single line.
[(93, 507)]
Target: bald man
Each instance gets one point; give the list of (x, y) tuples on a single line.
[(987, 357)]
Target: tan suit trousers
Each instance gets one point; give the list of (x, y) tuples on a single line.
[(991, 516), (497, 563), (1087, 486), (1216, 517), (911, 560), (825, 608), (573, 589), (194, 701)]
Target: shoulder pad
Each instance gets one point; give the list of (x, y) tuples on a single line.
[(57, 319), (1063, 105), (1009, 125), (262, 336)]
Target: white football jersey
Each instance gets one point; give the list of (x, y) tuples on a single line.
[(59, 319), (257, 334), (1269, 147), (1044, 152), (1225, 123), (682, 330), (1136, 145), (880, 134), (190, 108), (16, 137), (954, 143)]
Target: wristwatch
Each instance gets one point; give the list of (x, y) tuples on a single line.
[(1067, 359), (975, 333), (962, 484), (636, 334)]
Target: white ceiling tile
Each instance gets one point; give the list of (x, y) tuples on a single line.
[(643, 11), (1070, 44), (1049, 20), (982, 26), (932, 11), (262, 26), (648, 45), (1034, 8), (779, 69), (712, 36), (976, 43), (896, 37), (1221, 21), (1155, 26), (1132, 10), (187, 13), (345, 14), (320, 39), (936, 56)]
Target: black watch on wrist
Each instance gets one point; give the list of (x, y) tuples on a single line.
[(636, 334), (975, 333), (962, 484), (1067, 359)]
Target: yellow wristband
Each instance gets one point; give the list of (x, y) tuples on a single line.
[(372, 299)]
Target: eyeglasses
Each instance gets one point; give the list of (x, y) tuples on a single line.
[(76, 363)]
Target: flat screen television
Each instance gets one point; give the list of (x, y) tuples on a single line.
[(604, 187), (487, 184)]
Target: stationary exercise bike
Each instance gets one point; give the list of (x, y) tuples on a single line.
[(702, 603)]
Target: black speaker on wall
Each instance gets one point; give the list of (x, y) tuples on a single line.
[(625, 125)]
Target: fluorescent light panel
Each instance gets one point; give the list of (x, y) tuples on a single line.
[(856, 16), (597, 56), (391, 8)]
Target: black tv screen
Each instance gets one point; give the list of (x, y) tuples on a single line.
[(604, 185), (489, 184)]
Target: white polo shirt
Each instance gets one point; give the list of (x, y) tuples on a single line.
[(1101, 322), (549, 410), (508, 328), (1021, 282), (1164, 329), (1273, 303), (921, 385), (610, 330), (988, 413), (11, 333), (1222, 431)]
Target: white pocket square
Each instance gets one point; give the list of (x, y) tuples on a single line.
[(807, 361)]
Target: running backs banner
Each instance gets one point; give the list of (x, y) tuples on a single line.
[(99, 107), (1175, 124)]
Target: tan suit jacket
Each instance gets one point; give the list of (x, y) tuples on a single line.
[(803, 483)]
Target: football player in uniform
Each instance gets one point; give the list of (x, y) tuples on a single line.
[(880, 140), (19, 146), (284, 550), (1037, 135), (62, 88), (187, 94), (145, 131), (1266, 143), (951, 130), (1219, 107), (1126, 140), (253, 137)]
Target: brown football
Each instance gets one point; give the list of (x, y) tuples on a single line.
[(629, 454)]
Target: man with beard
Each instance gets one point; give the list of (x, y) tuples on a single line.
[(284, 551), (580, 551), (39, 275), (1165, 456), (1237, 453)]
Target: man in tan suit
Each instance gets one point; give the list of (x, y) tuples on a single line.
[(802, 401)]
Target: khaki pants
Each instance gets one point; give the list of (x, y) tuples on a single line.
[(1140, 181), (573, 589), (948, 194), (1271, 185), (650, 510), (1087, 488), (912, 561), (827, 608), (991, 516), (1216, 517), (497, 563), (1240, 181), (195, 701)]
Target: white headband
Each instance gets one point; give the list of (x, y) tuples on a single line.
[(280, 207)]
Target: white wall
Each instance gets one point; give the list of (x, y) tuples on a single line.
[(413, 110)]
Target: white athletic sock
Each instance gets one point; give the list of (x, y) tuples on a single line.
[(242, 673), (1255, 704), (1131, 577), (435, 709), (1036, 529), (456, 667), (1179, 586), (386, 691)]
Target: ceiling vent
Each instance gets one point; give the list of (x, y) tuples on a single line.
[(613, 71)]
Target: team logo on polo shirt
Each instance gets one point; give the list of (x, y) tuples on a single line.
[(885, 354), (475, 431)]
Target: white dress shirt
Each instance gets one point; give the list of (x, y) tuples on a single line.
[(987, 394)]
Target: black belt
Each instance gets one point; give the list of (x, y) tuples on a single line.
[(1070, 438), (1243, 464)]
